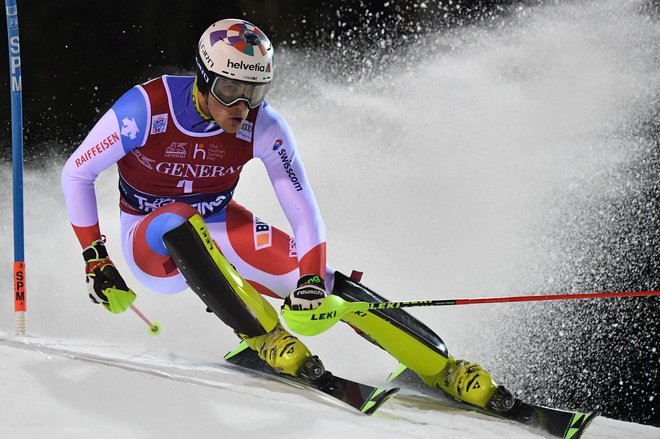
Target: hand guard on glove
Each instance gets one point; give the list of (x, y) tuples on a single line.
[(308, 295), (104, 283)]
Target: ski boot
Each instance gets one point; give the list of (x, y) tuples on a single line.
[(464, 381), (286, 354)]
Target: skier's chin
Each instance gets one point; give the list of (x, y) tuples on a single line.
[(231, 125)]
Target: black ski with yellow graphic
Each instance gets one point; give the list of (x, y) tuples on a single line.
[(363, 397), (557, 423)]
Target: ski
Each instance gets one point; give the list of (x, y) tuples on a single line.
[(362, 397), (557, 423)]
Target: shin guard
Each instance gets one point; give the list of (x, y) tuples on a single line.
[(216, 281), (403, 336)]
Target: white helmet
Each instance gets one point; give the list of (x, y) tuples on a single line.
[(235, 62)]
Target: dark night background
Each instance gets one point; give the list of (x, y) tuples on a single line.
[(70, 81)]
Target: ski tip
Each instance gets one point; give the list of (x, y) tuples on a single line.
[(377, 398), (396, 373), (240, 348), (579, 423)]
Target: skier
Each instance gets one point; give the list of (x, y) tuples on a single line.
[(180, 144)]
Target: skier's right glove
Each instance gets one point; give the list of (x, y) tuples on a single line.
[(104, 283), (308, 295)]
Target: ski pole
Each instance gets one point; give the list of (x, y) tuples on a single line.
[(529, 298), (154, 328), (333, 308)]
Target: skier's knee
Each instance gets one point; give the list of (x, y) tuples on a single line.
[(150, 254), (165, 219)]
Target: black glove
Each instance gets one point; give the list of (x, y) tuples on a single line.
[(308, 295), (103, 279)]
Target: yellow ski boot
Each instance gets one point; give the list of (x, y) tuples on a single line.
[(465, 381), (282, 351)]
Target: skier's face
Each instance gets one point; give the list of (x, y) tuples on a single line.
[(229, 119)]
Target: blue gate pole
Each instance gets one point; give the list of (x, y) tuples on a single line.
[(16, 86)]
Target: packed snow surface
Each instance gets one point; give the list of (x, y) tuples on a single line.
[(63, 389)]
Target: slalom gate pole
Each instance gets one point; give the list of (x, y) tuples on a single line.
[(20, 302)]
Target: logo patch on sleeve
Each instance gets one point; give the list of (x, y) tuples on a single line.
[(158, 123)]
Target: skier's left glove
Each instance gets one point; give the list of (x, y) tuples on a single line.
[(308, 295), (104, 283)]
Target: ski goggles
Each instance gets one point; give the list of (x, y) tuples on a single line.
[(230, 91)]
